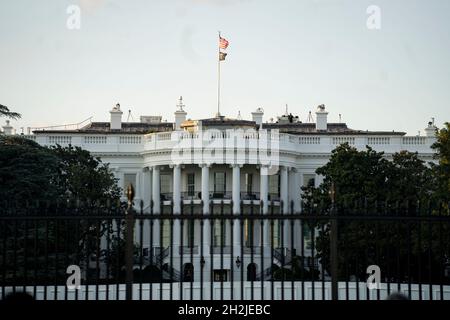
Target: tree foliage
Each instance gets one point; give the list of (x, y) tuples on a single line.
[(5, 112), (54, 181), (368, 183), (33, 173)]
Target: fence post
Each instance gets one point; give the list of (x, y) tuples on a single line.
[(129, 237), (333, 246)]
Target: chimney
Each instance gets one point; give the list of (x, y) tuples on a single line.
[(257, 116), (7, 128), (321, 118), (180, 114), (430, 131), (116, 118)]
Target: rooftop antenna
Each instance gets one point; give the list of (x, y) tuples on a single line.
[(432, 121), (310, 118), (286, 109), (339, 118), (239, 117), (130, 116)]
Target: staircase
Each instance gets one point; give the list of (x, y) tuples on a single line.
[(282, 253), (278, 255)]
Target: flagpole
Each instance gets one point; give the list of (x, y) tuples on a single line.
[(218, 79)]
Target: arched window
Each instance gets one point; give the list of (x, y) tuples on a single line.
[(188, 272), (251, 272)]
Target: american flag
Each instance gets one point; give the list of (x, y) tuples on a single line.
[(223, 43)]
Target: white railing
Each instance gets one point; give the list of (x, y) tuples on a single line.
[(95, 139), (302, 291), (414, 140), (164, 136), (309, 140), (29, 136), (341, 140), (130, 139), (285, 142), (378, 140), (59, 139)]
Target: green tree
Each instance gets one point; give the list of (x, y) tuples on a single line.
[(5, 112), (366, 183), (26, 171), (442, 170), (37, 180)]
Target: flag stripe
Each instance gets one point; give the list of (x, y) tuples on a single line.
[(223, 43)]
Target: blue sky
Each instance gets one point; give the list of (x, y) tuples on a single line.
[(145, 54)]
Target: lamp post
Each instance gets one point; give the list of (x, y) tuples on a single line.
[(238, 262), (129, 243), (202, 262), (333, 245)]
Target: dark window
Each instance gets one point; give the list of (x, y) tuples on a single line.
[(248, 183), (251, 272), (188, 272), (219, 184), (221, 275), (190, 233), (190, 184)]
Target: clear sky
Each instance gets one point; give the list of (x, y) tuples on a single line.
[(146, 53)]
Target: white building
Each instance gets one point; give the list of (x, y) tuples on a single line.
[(223, 164)]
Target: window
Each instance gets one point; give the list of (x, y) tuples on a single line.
[(190, 184), (248, 233), (276, 234), (190, 233), (274, 184), (219, 182), (221, 275), (219, 233), (251, 272), (248, 183), (166, 233), (188, 272), (129, 178), (165, 181)]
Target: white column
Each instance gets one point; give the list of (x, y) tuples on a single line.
[(156, 193), (264, 197), (236, 192), (284, 189), (177, 189), (145, 190), (205, 198), (297, 191), (205, 188), (284, 195), (294, 190), (264, 188), (236, 196), (154, 179), (176, 208)]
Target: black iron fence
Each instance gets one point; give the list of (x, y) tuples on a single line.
[(362, 251)]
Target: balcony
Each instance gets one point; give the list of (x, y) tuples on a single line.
[(195, 197), (188, 249), (221, 249), (250, 196)]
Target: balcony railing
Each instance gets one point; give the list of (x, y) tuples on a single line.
[(191, 195), (250, 196), (188, 250), (220, 249), (227, 195)]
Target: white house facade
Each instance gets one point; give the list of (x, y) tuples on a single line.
[(223, 165)]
